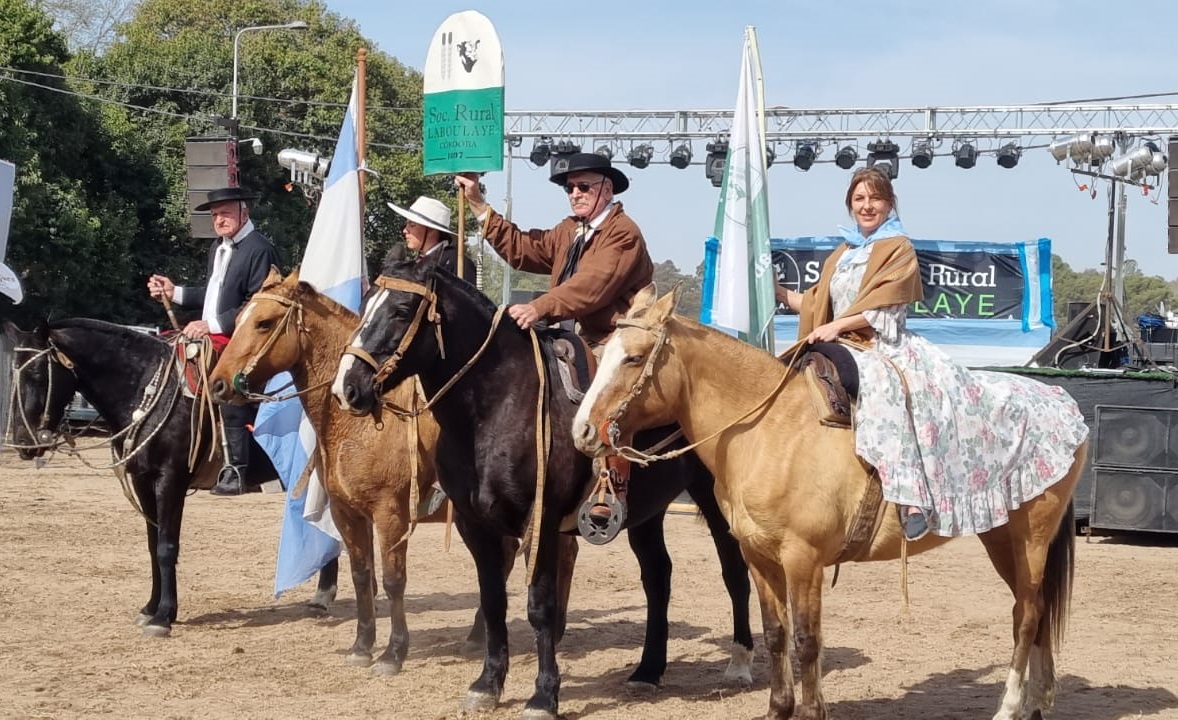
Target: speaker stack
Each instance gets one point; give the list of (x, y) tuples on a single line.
[(1135, 469), (210, 163)]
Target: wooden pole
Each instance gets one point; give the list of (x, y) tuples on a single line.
[(171, 314), (462, 232), (361, 133)]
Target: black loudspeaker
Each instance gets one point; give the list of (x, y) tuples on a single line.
[(1135, 500), (1136, 437), (210, 163)]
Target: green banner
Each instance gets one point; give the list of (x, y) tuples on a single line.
[(463, 131)]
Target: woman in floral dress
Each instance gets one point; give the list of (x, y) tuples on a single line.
[(956, 449)]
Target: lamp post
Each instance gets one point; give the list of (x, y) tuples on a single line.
[(296, 25)]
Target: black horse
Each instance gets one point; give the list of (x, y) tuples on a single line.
[(128, 377), (487, 461)]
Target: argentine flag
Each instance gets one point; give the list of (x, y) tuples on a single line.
[(333, 263)]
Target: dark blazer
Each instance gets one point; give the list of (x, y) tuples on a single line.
[(447, 256), (248, 267)]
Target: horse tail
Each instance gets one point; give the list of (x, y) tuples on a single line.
[(1057, 578)]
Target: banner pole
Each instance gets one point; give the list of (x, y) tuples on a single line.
[(361, 124)]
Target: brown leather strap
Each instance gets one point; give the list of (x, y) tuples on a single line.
[(866, 524)]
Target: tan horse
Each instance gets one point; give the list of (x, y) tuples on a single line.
[(366, 471), (791, 487)]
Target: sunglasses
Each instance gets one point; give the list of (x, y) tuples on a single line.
[(582, 186)]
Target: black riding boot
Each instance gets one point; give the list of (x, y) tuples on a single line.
[(231, 480)]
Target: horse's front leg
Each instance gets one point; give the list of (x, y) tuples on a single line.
[(803, 573), (356, 531), (392, 522), (771, 592), (487, 550), (169, 489), (145, 492), (544, 616), (649, 546)]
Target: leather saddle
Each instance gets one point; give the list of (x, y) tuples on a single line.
[(833, 381), (574, 360)]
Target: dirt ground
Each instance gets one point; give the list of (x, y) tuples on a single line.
[(74, 573)]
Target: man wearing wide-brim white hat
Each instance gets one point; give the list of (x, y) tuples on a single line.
[(427, 232)]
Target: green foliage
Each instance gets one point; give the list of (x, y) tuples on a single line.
[(667, 276), (1142, 293)]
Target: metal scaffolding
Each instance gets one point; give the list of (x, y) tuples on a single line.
[(1029, 125)]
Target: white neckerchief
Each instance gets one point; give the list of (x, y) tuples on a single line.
[(217, 278)]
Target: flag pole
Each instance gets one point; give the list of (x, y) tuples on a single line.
[(361, 124), (769, 343)]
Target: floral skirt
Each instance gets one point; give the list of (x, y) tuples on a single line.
[(975, 446)]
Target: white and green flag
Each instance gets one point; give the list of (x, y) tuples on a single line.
[(742, 291)]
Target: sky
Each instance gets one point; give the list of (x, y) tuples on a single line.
[(607, 55)]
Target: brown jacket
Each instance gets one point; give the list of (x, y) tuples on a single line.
[(892, 277), (614, 266)]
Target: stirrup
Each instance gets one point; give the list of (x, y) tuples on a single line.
[(230, 482), (433, 503), (603, 514)]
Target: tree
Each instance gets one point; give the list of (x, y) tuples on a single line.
[(88, 25)]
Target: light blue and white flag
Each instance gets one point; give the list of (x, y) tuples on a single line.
[(741, 277), (334, 264)]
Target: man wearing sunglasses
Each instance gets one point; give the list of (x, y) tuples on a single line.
[(596, 259)]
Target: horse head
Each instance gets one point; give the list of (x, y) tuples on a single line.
[(265, 340), (399, 332), (637, 378), (43, 383)]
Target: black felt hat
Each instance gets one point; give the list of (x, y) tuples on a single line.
[(563, 166), (226, 195)]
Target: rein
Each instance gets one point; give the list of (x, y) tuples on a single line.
[(52, 354), (429, 303), (240, 380), (610, 432)]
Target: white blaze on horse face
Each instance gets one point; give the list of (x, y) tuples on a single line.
[(347, 361), (245, 314), (584, 434)]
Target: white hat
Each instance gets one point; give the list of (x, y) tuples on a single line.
[(426, 211)]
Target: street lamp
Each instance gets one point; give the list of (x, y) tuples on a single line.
[(296, 25)]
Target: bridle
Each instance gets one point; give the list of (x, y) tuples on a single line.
[(610, 432), (427, 309), (240, 381), (53, 355)]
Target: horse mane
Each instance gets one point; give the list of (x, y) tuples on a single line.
[(397, 264), (128, 337)]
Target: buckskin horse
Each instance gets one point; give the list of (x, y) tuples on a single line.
[(368, 471), (792, 487), (488, 394), (130, 379)]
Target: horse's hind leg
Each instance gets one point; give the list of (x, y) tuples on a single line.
[(477, 637), (736, 579), (649, 546), (356, 531), (328, 585)]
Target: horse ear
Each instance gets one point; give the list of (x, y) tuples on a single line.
[(664, 307), (11, 331), (643, 299), (275, 276)]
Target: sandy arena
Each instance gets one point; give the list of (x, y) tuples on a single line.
[(75, 572)]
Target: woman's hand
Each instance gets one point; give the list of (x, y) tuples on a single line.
[(825, 333)]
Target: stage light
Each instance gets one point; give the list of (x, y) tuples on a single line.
[(922, 154), (1091, 148), (541, 151), (716, 160), (567, 147), (804, 154), (846, 157), (885, 154), (1008, 155), (640, 155), (1145, 160), (681, 156), (605, 151), (966, 156), (770, 156)]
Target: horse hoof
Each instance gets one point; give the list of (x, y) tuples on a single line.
[(386, 669), (156, 631), (639, 687), (740, 667), (142, 619), (480, 701), (322, 599), (359, 659), (537, 714)]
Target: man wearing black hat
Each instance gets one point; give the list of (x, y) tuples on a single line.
[(238, 264), (596, 260)]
